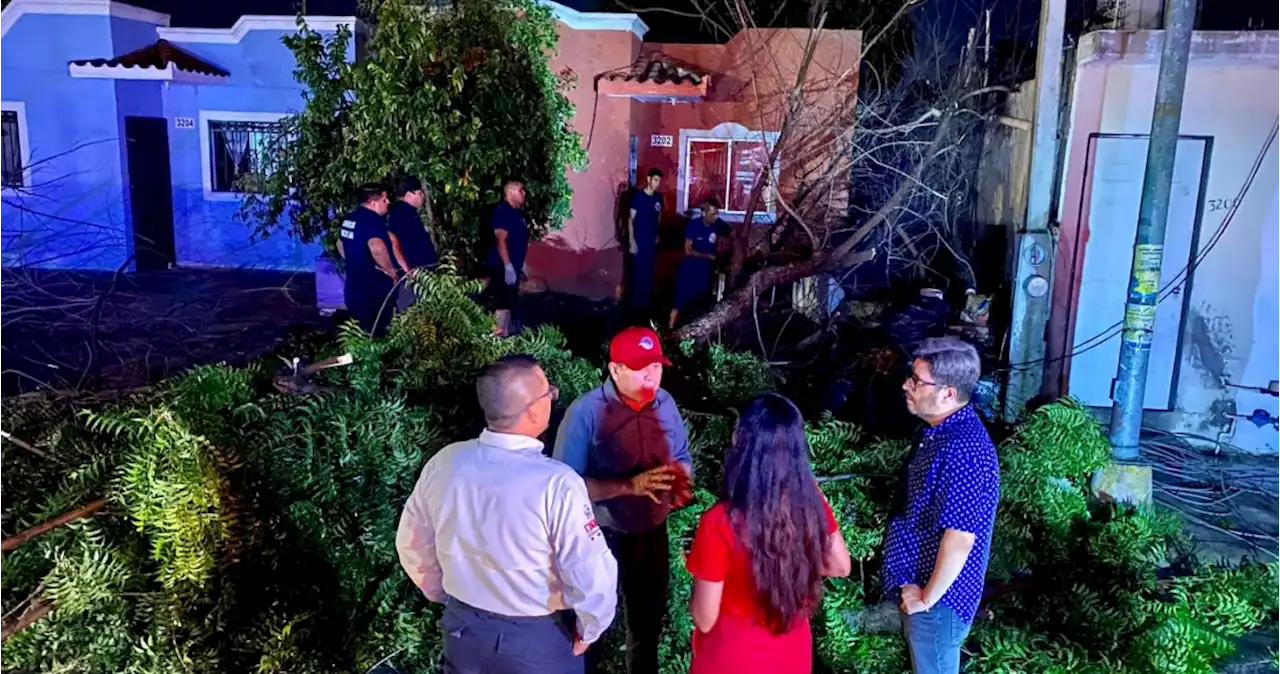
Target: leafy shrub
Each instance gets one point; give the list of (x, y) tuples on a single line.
[(247, 530)]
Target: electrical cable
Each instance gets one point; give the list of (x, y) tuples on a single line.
[(1179, 279)]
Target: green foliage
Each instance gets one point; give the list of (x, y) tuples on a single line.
[(462, 97), (726, 379), (246, 530)]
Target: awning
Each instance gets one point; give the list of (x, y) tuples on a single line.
[(160, 61), (657, 77)]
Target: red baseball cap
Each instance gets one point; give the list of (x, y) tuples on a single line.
[(636, 348)]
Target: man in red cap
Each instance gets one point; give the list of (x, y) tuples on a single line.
[(628, 442)]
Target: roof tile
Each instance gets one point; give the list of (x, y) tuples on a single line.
[(159, 56)]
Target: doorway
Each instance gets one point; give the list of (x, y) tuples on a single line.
[(150, 192), (1115, 168)]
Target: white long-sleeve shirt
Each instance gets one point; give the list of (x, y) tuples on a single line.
[(493, 523)]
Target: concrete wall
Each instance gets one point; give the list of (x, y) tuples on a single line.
[(74, 212), (1227, 334), (749, 76), (207, 229), (583, 256), (70, 213)]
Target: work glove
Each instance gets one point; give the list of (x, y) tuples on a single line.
[(509, 274)]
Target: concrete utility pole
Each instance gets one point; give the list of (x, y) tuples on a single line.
[(1127, 479), (1148, 246), (1033, 247)]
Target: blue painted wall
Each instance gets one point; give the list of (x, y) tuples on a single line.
[(207, 228), (71, 214), (75, 213)]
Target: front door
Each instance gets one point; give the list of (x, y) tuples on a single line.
[(150, 192)]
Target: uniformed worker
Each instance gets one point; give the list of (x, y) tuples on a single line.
[(370, 272), (413, 243), (505, 537), (693, 281), (506, 255), (642, 249)]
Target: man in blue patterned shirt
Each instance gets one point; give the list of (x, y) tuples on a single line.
[(938, 542)]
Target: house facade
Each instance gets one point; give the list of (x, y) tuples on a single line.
[(124, 137), (1214, 350), (116, 125)]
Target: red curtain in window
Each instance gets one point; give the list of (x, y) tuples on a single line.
[(750, 159), (707, 171)]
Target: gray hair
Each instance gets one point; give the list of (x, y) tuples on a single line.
[(952, 362), (503, 389)]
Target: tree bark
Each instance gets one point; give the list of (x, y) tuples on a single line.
[(844, 255), (39, 608), (16, 541)]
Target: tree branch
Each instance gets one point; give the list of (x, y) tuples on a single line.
[(39, 608), (16, 541)]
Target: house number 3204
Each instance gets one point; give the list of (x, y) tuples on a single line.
[(184, 123)]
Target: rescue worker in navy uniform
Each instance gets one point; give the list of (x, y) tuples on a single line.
[(413, 244), (693, 282), (642, 247), (371, 275), (506, 256)]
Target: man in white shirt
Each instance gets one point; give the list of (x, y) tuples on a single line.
[(506, 538)]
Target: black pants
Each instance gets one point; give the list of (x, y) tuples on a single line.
[(479, 642), (644, 574), (372, 309), (639, 271)]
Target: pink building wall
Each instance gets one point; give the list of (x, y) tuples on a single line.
[(749, 77), (1226, 336)]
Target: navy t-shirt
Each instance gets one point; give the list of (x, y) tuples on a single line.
[(648, 208), (704, 236), (512, 222), (363, 274), (415, 242)]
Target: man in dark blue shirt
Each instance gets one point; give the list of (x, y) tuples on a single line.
[(506, 256), (642, 246), (693, 280), (371, 275), (628, 442), (937, 546), (414, 245)]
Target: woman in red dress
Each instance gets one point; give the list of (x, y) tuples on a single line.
[(760, 554)]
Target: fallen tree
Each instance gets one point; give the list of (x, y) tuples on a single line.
[(900, 119), (248, 529)]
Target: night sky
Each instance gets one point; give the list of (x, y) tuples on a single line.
[(1013, 21)]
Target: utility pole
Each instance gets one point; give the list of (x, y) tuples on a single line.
[(1148, 246), (1033, 246), (1126, 479)]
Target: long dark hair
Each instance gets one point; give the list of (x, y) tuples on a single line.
[(776, 509)]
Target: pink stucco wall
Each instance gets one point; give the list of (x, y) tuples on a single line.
[(1228, 330), (749, 76)]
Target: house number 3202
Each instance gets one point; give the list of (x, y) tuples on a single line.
[(1221, 204)]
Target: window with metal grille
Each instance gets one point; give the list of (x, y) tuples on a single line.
[(238, 151), (12, 149)]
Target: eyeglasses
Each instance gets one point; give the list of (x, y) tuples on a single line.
[(917, 382), (552, 392)]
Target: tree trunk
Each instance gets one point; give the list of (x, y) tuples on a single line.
[(842, 256), (740, 300)]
